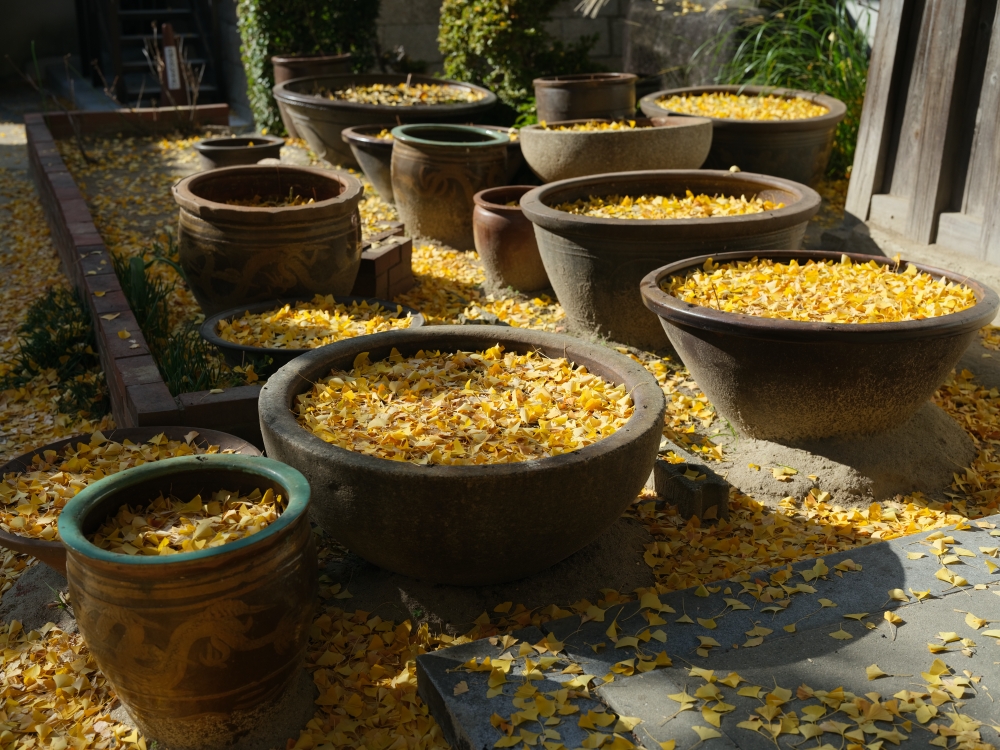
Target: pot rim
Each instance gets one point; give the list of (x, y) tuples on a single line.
[(284, 59), (676, 312), (484, 198), (404, 134), (291, 380), (209, 326), (584, 80), (226, 145), (356, 134), (78, 508), (805, 206), (836, 108), (647, 125)]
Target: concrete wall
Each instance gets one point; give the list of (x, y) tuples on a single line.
[(51, 24)]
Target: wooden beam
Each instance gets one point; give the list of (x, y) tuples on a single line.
[(984, 173)]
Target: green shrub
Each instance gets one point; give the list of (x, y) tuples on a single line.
[(300, 27), (503, 45)]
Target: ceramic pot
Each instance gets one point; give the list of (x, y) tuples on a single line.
[(436, 171), (287, 67), (373, 155), (238, 255), (197, 645), (505, 240), (585, 96), (230, 152)]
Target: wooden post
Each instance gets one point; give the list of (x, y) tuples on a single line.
[(172, 77)]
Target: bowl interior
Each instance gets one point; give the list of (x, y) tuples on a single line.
[(585, 78), (317, 85), (499, 197), (219, 186), (259, 141), (448, 134)]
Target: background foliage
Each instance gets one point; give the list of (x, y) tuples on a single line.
[(300, 27)]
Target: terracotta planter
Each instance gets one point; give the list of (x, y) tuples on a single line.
[(436, 171), (797, 150), (373, 155), (197, 645), (669, 143), (791, 380), (287, 67), (237, 255), (230, 152), (585, 96), (595, 265), (464, 525), (53, 553), (320, 120), (505, 240)]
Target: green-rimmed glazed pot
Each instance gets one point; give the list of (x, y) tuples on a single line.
[(436, 171), (197, 645)]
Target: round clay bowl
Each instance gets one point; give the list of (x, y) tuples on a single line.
[(239, 354), (373, 155), (797, 150), (320, 120), (790, 380), (505, 240), (53, 553), (197, 645), (465, 525), (595, 265), (239, 255), (228, 152), (585, 96), (670, 143), (436, 171)]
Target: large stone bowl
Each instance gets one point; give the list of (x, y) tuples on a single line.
[(53, 553), (796, 150), (466, 525), (790, 380), (669, 143), (595, 265), (320, 120)]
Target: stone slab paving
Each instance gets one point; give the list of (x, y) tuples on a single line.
[(850, 583)]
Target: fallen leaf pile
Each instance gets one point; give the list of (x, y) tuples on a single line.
[(30, 502), (464, 407), (742, 107), (659, 207), (306, 325), (404, 95), (169, 525), (271, 201), (384, 135), (824, 291), (595, 126)]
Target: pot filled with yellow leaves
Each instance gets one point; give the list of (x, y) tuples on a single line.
[(465, 455), (795, 345), (194, 582)]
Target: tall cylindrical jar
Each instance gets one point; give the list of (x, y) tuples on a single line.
[(436, 171), (198, 645)]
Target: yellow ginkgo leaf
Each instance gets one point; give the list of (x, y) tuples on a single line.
[(898, 595), (892, 618), (915, 555), (841, 635), (826, 603), (706, 623), (857, 616), (705, 733), (789, 628), (874, 672), (706, 641), (949, 637), (975, 622), (750, 691), (921, 595), (701, 591), (668, 745)]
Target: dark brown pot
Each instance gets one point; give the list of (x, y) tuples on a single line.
[(53, 553), (585, 96), (464, 525), (436, 171), (237, 255), (230, 152), (287, 67), (199, 645), (505, 240), (373, 155), (515, 159), (790, 380), (796, 150), (595, 265)]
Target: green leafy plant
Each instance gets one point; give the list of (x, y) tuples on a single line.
[(812, 45), (300, 27), (503, 45)]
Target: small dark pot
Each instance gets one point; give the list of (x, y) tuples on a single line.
[(505, 240), (797, 150), (287, 67), (436, 171), (791, 380), (198, 645), (230, 152), (238, 255), (585, 96), (238, 354), (374, 155)]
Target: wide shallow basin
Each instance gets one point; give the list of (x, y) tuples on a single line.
[(228, 152), (466, 525), (788, 380)]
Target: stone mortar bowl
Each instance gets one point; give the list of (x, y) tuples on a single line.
[(239, 255), (240, 354), (790, 380), (796, 150), (667, 143), (53, 553), (595, 265), (373, 155), (229, 152), (320, 120), (585, 96), (466, 525)]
